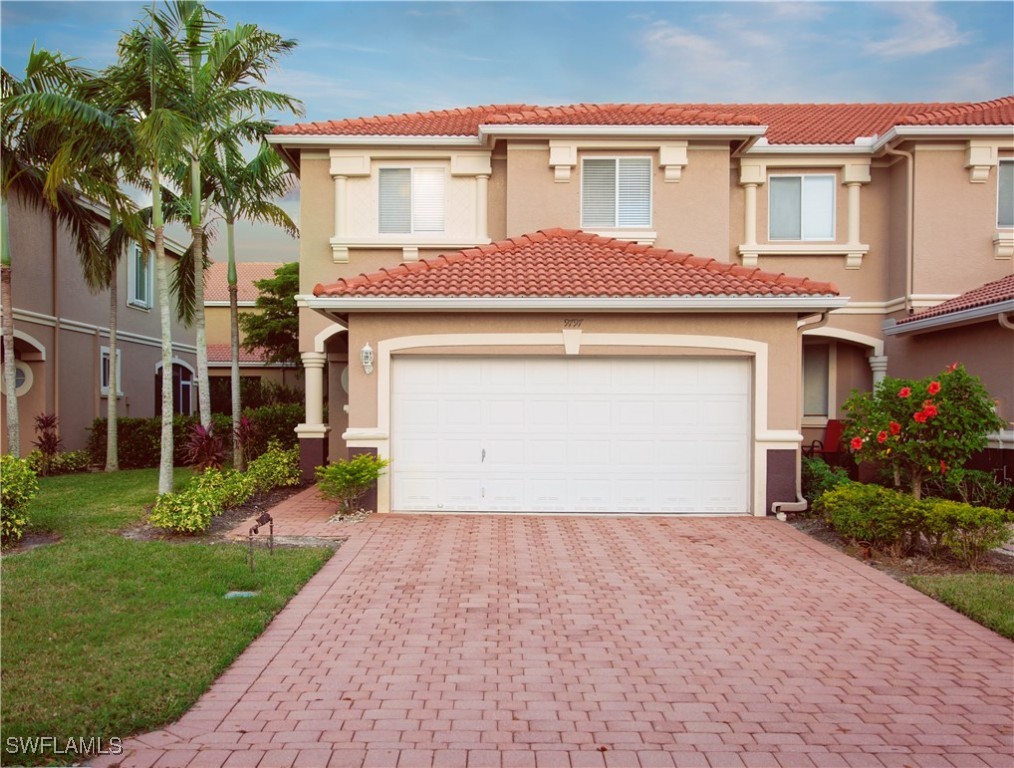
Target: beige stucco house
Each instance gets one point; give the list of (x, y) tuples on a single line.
[(62, 334), (252, 365), (500, 300)]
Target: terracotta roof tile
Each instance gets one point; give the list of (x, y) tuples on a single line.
[(558, 263), (222, 353), (216, 281), (990, 293), (787, 123)]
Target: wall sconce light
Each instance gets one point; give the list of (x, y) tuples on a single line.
[(366, 358)]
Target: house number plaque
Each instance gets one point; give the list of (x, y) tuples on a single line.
[(572, 322)]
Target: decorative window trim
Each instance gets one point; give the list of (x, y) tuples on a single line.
[(802, 196), (618, 227), (1008, 162), (133, 301), (26, 384), (103, 380)]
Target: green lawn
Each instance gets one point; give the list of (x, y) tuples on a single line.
[(988, 598), (105, 636)]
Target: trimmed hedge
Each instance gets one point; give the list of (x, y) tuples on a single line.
[(139, 440)]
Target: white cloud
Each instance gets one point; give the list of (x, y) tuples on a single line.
[(922, 30)]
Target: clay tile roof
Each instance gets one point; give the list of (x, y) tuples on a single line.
[(216, 280), (991, 293), (221, 353), (787, 123), (556, 263)]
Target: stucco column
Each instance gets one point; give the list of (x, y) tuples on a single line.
[(313, 372), (750, 214), (340, 206), (878, 364), (481, 206), (853, 233)]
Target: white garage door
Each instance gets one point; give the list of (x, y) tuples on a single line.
[(539, 434)]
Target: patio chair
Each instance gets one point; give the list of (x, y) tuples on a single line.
[(831, 447)]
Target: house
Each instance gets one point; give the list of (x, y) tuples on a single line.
[(503, 301), (252, 365), (62, 334)]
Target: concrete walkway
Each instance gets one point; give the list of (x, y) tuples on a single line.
[(502, 641)]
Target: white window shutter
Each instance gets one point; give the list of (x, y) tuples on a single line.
[(427, 199), (598, 192), (634, 192), (395, 214), (1005, 195)]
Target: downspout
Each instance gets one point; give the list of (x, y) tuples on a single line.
[(54, 232), (1005, 321), (779, 508), (909, 223)]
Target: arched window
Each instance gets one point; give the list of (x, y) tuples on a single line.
[(183, 389)]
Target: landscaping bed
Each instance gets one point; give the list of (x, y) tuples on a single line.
[(106, 635)]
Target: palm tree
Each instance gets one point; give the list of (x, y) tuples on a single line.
[(218, 70), (37, 115), (245, 190)]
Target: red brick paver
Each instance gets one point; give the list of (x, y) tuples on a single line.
[(551, 641), (306, 513)]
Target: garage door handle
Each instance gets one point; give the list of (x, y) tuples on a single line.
[(483, 455)]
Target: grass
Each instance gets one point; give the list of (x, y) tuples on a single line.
[(105, 636), (987, 598)]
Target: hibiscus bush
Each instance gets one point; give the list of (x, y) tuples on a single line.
[(921, 428)]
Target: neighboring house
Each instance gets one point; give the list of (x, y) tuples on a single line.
[(62, 334), (252, 365), (500, 296)]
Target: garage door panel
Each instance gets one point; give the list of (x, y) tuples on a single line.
[(571, 434)]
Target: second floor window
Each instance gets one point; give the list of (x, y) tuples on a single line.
[(1005, 194), (616, 192), (801, 207), (411, 200), (104, 360), (140, 283)]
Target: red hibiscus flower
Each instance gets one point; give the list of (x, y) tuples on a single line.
[(930, 410), (920, 417), (943, 466), (904, 392), (934, 387), (857, 443), (952, 368), (881, 436), (894, 427)]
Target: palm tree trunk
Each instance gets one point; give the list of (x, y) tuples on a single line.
[(165, 467), (7, 301), (238, 460), (197, 230), (112, 458)]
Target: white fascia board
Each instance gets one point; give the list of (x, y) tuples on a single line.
[(699, 131), (589, 304), (811, 149), (940, 131), (321, 140), (243, 303), (103, 210), (951, 318)]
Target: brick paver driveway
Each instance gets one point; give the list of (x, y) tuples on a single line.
[(551, 641)]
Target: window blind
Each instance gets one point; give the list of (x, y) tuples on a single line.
[(1005, 195), (598, 193), (395, 214), (427, 199), (634, 208)]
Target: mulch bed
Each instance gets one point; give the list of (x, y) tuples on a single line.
[(901, 568), (32, 541)]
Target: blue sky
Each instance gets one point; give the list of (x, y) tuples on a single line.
[(381, 57)]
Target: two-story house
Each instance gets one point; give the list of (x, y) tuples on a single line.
[(502, 301), (61, 334)]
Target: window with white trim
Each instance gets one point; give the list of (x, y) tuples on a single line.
[(104, 371), (140, 278), (1005, 194), (801, 207), (615, 192), (816, 380), (411, 200)]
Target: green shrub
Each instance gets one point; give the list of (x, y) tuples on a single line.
[(347, 481), (189, 511), (139, 441), (274, 468), (227, 487), (61, 463), (18, 487), (273, 423), (885, 519), (817, 478), (967, 532), (973, 486)]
